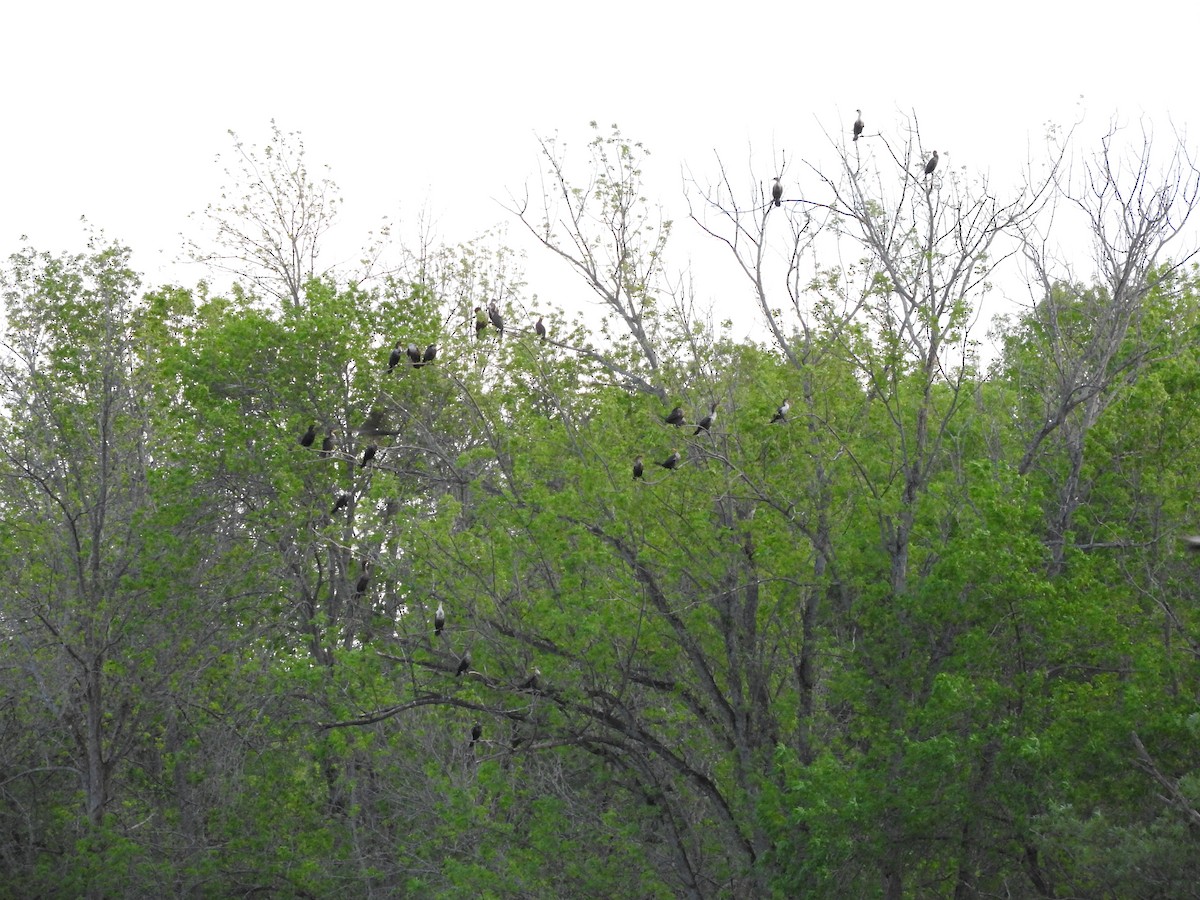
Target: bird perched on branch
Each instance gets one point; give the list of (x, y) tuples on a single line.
[(858, 124), (306, 439), (481, 322), (360, 586), (439, 619), (414, 355), (932, 164), (707, 422), (494, 316), (342, 501), (672, 461), (540, 329), (368, 455), (327, 444), (638, 467), (675, 417), (476, 734), (531, 683), (430, 355), (394, 357), (781, 413), (777, 192), (463, 665)]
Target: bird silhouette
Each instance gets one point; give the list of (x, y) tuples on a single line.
[(675, 417), (858, 124), (540, 329), (306, 439), (638, 467), (394, 357), (342, 501), (327, 444), (463, 665), (781, 413), (430, 355), (777, 192), (932, 164), (476, 734), (481, 322), (672, 461), (439, 619), (707, 422), (494, 316), (368, 455), (414, 355)]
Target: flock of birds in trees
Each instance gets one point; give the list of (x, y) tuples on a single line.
[(777, 188)]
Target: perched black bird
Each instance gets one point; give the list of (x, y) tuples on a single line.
[(439, 619), (481, 322), (707, 422), (360, 586), (858, 124), (476, 734), (342, 501), (540, 329), (638, 468), (414, 355), (932, 164), (531, 683), (327, 444), (671, 461), (493, 312), (306, 439), (777, 192), (464, 665), (394, 358), (430, 354), (368, 455), (675, 417), (781, 413)]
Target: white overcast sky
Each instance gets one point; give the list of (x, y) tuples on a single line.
[(116, 110)]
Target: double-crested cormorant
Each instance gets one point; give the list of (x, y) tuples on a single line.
[(707, 422), (360, 586), (540, 329), (493, 312), (675, 417), (463, 665), (932, 164), (342, 501), (781, 413), (327, 444), (531, 683), (858, 124), (368, 455), (638, 468), (481, 322), (671, 461), (306, 439), (394, 357), (414, 355), (430, 354), (476, 734), (439, 619), (777, 192)]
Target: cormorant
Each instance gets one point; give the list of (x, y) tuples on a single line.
[(476, 733), (481, 322), (327, 444), (675, 417), (706, 423), (368, 455), (638, 468), (394, 358), (463, 665), (439, 619), (671, 461), (932, 164), (493, 312), (306, 439), (777, 192), (430, 354), (342, 501), (540, 329), (858, 124), (414, 355), (360, 586), (781, 413), (531, 683)]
